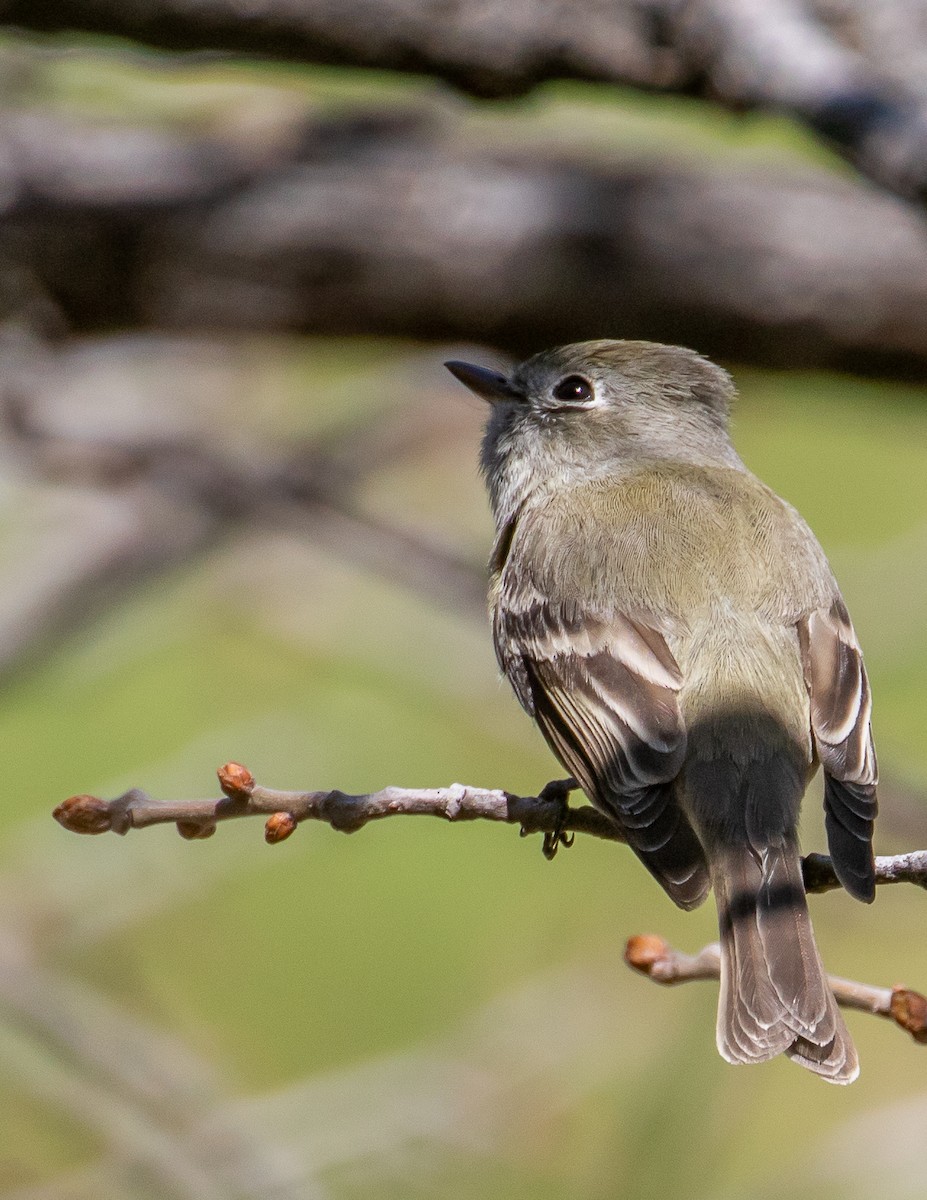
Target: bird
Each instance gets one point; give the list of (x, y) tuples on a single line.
[(676, 632)]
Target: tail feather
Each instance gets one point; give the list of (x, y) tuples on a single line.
[(836, 1062), (775, 997)]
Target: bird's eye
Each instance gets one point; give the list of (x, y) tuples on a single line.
[(574, 388)]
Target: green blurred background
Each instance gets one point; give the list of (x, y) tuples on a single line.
[(415, 1010)]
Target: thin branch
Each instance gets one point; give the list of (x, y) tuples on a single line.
[(820, 875), (655, 958), (548, 813)]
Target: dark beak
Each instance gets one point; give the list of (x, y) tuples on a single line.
[(489, 384)]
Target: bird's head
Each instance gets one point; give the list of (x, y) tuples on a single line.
[(593, 409)]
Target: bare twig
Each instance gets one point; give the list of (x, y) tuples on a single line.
[(549, 813), (655, 958), (546, 813), (892, 868)]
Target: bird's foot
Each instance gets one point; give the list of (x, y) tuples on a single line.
[(558, 792)]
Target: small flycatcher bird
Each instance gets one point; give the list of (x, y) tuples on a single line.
[(676, 632)]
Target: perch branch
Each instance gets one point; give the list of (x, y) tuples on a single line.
[(653, 957), (548, 813)]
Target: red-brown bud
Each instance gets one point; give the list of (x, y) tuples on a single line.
[(196, 830), (279, 826), (84, 814), (644, 950), (909, 1010), (235, 780)]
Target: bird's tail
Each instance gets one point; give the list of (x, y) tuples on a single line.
[(775, 997)]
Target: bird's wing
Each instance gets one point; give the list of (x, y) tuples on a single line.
[(604, 691), (840, 709)]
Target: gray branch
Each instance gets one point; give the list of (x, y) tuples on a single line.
[(548, 813), (655, 958)]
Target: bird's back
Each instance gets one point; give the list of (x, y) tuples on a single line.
[(671, 539)]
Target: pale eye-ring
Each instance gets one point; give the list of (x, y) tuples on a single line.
[(573, 389)]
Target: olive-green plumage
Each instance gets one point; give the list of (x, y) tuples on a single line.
[(676, 632)]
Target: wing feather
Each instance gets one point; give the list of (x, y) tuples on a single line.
[(604, 691), (841, 705)]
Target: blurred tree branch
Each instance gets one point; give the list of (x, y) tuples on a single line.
[(830, 65), (405, 225), (138, 503), (138, 1089)]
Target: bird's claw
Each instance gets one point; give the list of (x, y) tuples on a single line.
[(558, 792)]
